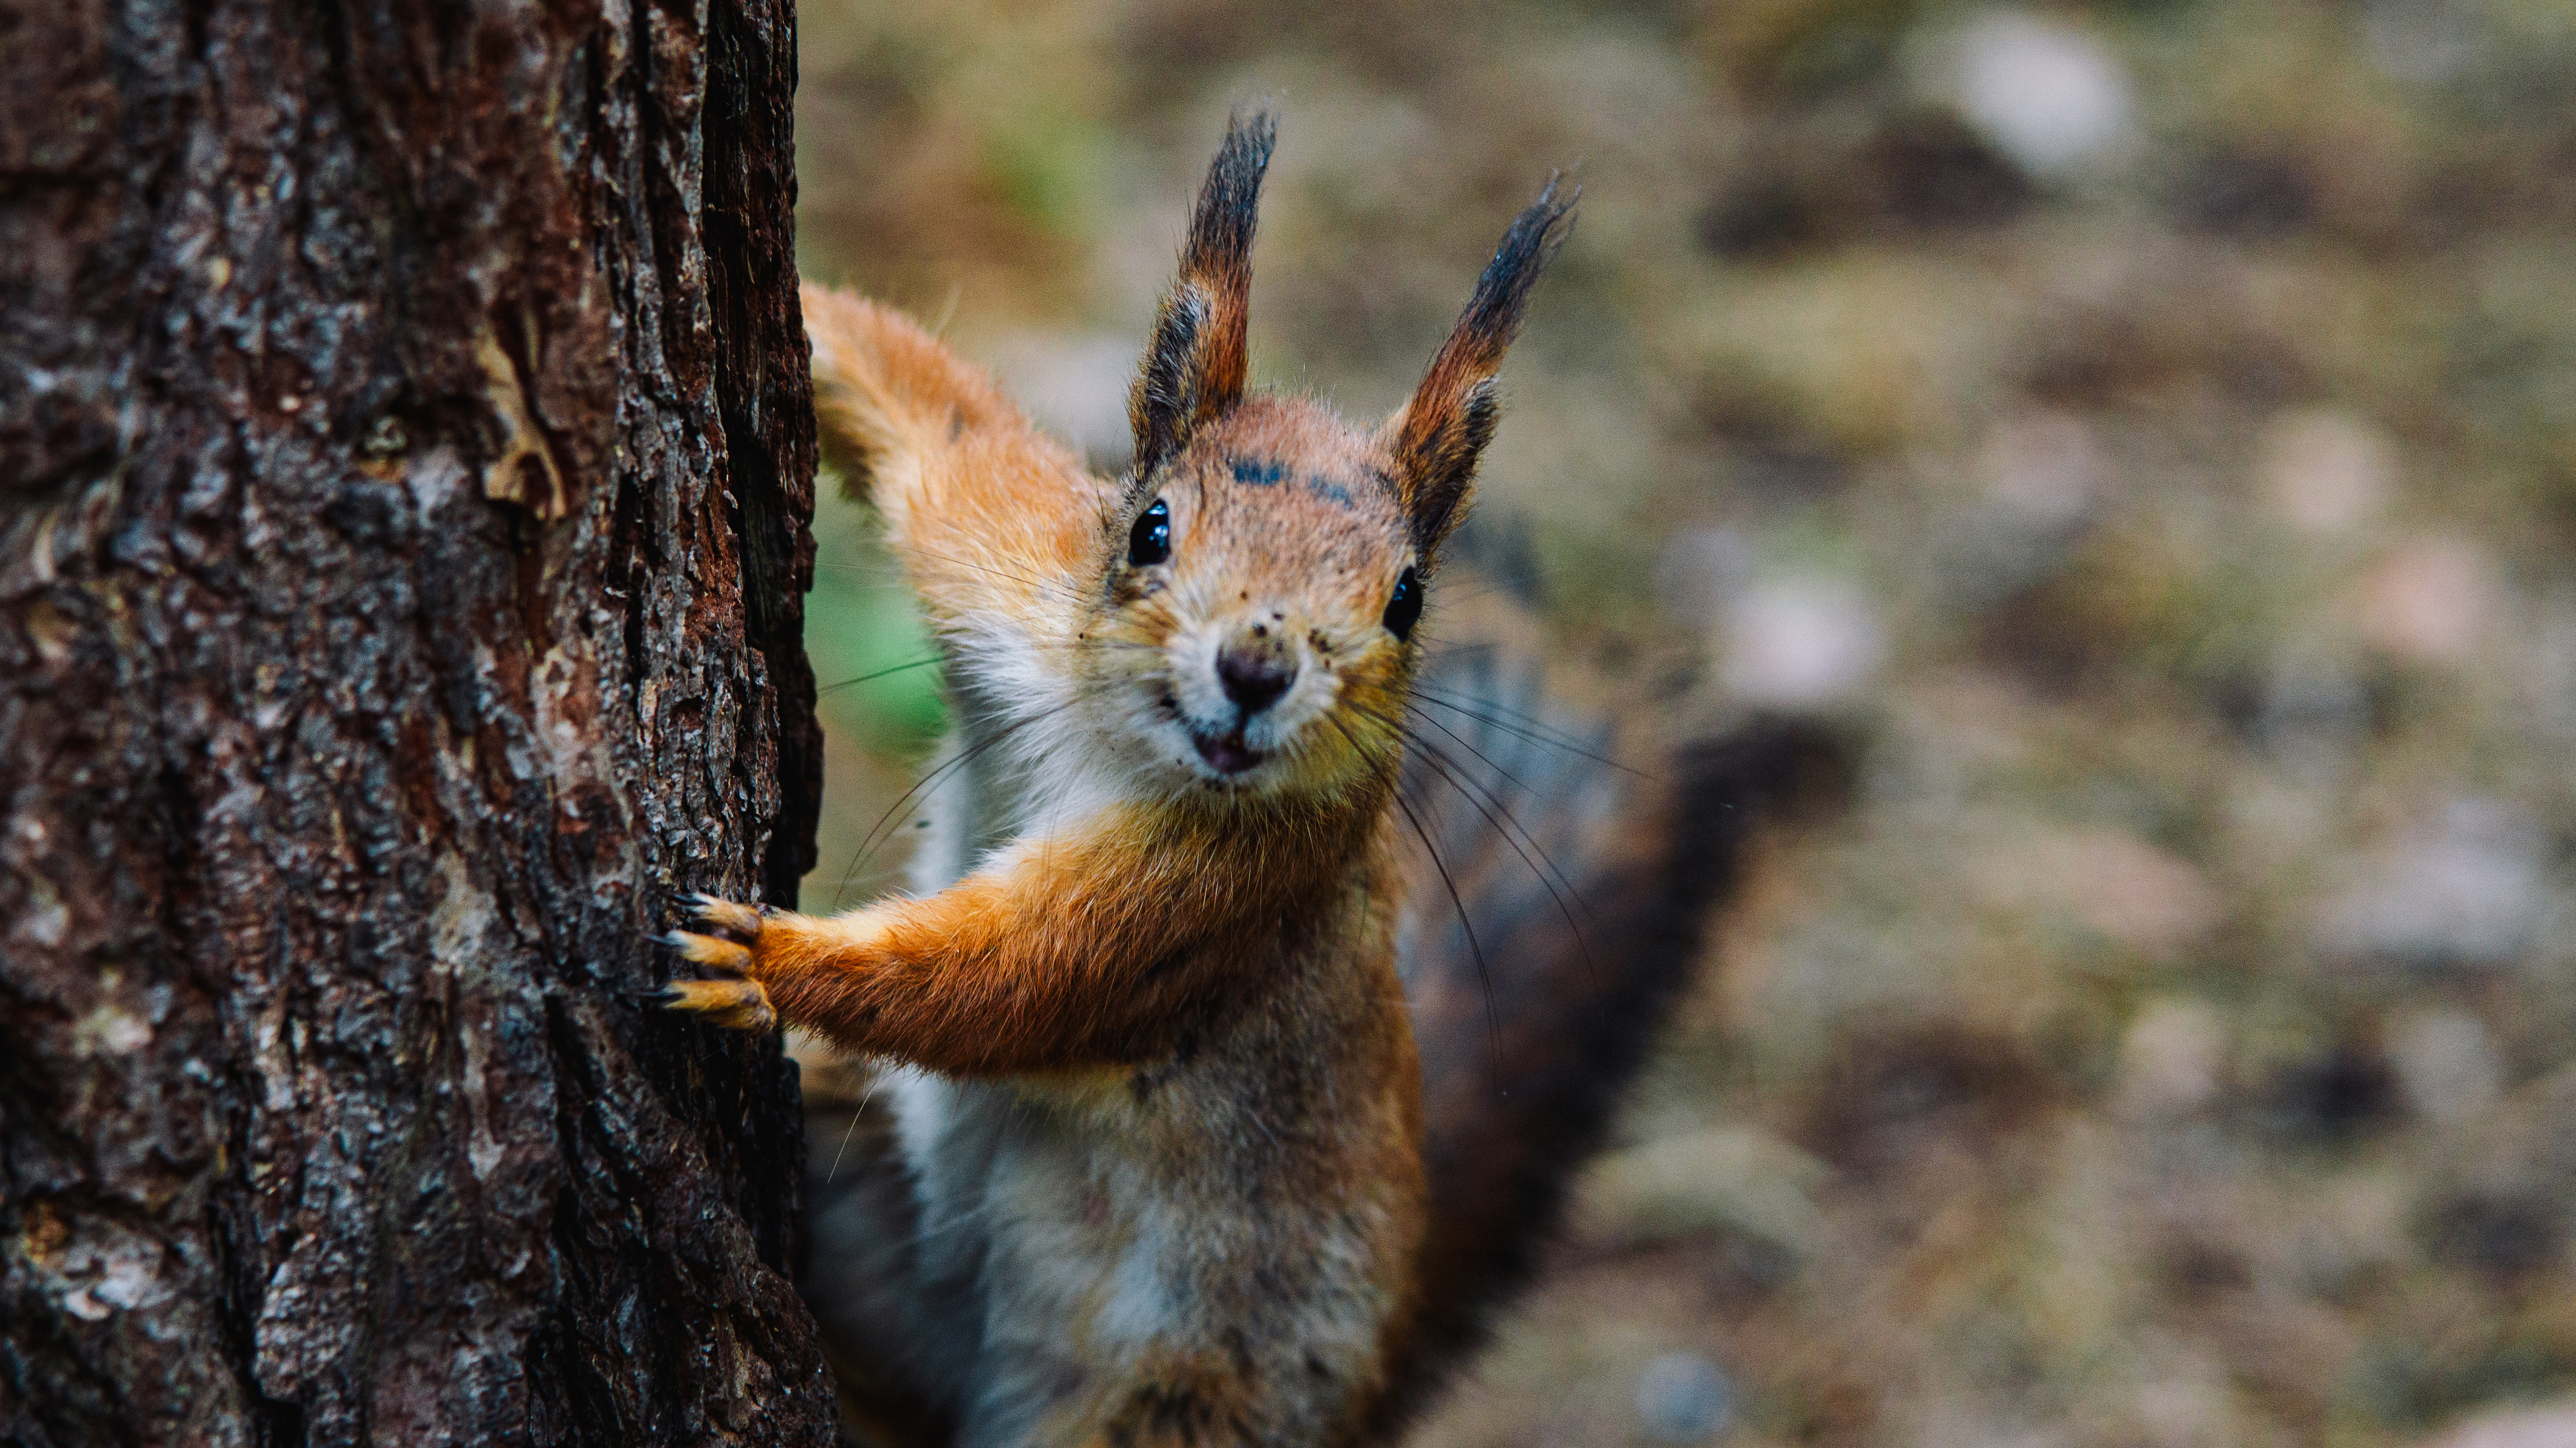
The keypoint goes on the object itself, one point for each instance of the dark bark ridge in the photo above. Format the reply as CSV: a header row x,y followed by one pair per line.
x,y
405,470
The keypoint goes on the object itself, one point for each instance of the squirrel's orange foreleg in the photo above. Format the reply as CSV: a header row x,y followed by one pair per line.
x,y
1076,951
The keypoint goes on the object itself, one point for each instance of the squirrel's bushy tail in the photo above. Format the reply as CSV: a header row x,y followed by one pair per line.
x,y
1527,1052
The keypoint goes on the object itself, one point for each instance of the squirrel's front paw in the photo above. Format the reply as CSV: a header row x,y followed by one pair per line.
x,y
723,943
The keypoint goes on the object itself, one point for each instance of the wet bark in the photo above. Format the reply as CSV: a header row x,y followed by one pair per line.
x,y
405,469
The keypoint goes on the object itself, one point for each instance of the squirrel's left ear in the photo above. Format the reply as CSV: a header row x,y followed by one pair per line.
x,y
1195,364
1442,429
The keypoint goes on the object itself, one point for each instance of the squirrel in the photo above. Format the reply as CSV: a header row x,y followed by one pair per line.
x,y
1188,1125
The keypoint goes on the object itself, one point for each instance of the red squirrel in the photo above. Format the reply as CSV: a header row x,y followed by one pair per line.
x,y
1159,1168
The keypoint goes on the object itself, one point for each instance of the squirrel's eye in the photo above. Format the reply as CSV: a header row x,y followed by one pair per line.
x,y
1405,606
1150,541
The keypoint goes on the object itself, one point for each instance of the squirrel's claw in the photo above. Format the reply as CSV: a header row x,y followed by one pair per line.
x,y
735,1005
726,918
712,952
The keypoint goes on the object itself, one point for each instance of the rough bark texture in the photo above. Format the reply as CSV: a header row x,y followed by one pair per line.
x,y
405,464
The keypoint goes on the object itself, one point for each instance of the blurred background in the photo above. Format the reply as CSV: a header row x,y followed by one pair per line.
x,y
2149,428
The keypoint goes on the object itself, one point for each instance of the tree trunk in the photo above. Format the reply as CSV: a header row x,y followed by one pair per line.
x,y
405,470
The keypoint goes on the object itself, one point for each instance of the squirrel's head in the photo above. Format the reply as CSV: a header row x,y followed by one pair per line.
x,y
1262,570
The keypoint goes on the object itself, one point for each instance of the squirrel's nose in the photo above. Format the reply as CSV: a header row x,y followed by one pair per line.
x,y
1255,670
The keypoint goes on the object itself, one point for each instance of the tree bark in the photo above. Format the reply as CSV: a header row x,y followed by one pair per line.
x,y
406,461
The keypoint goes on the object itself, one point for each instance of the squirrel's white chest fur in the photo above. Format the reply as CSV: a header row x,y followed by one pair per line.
x,y
1051,1256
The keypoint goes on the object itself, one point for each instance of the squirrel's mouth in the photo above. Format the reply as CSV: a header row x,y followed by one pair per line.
x,y
1226,753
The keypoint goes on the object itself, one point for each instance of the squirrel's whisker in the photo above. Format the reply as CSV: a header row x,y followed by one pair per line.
x,y
1533,736
1484,975
1495,795
1552,879
869,842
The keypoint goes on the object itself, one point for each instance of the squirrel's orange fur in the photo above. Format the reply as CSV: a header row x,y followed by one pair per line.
x,y
1161,1102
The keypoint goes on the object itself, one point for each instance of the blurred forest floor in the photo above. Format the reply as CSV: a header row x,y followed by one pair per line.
x,y
2150,426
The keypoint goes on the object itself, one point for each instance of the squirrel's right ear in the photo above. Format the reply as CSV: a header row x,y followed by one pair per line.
x,y
1442,429
1195,365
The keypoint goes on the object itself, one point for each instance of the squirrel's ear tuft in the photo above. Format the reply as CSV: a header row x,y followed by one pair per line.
x,y
1440,432
1195,364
